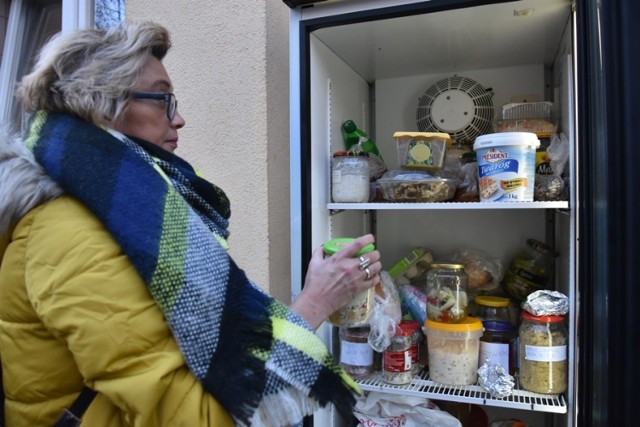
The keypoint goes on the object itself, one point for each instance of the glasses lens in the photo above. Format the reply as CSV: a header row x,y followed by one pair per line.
x,y
172,105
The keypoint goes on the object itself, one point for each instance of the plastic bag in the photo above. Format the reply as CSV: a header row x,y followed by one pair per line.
x,y
414,302
386,315
484,272
552,187
386,410
467,190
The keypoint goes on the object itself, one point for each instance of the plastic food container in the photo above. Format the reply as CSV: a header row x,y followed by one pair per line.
x,y
536,117
506,166
421,150
357,311
417,186
453,350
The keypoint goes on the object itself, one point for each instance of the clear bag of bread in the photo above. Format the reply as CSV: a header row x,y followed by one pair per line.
x,y
485,272
386,315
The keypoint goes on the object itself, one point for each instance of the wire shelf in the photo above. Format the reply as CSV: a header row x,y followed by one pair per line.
x,y
422,386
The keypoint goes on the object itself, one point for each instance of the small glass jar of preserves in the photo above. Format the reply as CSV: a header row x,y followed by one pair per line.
x,y
530,270
396,359
356,355
498,344
491,308
350,177
543,354
447,292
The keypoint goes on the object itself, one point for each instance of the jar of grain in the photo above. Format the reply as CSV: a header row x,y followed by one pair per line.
x,y
350,177
543,354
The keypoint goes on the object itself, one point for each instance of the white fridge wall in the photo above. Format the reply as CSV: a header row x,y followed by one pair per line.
x,y
396,99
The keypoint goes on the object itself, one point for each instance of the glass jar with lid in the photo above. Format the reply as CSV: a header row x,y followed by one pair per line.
x,y
447,292
543,353
498,344
397,360
530,270
489,307
350,177
416,337
356,355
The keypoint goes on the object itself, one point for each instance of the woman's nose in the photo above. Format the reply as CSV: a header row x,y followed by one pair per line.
x,y
178,121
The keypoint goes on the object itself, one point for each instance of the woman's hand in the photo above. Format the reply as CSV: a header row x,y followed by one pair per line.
x,y
334,281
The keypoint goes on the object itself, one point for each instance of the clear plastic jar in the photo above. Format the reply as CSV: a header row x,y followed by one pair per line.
x,y
454,349
356,355
530,270
498,344
350,177
447,293
397,360
543,354
357,311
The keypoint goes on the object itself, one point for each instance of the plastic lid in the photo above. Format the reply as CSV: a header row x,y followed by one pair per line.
x,y
542,319
350,154
410,324
336,245
469,324
404,330
422,134
506,138
491,301
498,326
349,126
447,265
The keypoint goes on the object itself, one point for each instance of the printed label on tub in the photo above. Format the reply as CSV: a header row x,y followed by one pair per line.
x,y
506,173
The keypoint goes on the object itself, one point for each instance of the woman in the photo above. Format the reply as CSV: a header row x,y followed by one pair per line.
x,y
115,273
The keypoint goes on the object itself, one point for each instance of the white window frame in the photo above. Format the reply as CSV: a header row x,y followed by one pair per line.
x,y
75,14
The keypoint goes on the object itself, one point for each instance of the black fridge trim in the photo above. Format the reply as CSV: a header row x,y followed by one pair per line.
x,y
608,212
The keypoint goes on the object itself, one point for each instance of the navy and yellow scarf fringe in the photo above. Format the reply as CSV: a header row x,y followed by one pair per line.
x,y
259,359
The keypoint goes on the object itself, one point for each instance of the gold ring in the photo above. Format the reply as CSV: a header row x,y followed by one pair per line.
x,y
366,270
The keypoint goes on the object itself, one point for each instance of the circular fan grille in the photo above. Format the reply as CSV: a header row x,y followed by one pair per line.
x,y
459,106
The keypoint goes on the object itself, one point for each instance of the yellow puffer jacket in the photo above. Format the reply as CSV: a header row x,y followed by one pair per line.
x,y
74,311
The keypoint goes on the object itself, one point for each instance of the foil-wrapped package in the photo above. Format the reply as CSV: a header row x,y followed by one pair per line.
x,y
546,303
493,378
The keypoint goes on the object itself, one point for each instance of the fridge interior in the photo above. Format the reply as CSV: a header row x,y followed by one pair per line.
x,y
374,70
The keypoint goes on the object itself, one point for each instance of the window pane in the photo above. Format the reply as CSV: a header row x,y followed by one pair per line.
x,y
109,12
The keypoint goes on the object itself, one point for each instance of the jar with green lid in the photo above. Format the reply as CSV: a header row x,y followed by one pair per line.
x,y
530,270
350,177
447,292
487,307
357,311
543,354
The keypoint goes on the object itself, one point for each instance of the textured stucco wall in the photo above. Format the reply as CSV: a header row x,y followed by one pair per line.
x,y
229,66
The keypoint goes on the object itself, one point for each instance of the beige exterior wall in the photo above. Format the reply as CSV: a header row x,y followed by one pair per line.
x,y
229,66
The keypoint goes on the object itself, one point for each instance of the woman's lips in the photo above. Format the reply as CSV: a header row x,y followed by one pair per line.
x,y
172,143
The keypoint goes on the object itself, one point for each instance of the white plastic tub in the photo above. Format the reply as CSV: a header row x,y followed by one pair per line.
x,y
506,166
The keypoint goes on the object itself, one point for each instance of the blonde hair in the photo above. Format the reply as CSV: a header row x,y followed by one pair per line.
x,y
90,73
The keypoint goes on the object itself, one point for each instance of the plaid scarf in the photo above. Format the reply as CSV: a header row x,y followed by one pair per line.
x,y
259,359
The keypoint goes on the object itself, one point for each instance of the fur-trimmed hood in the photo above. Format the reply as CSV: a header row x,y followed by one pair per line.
x,y
23,183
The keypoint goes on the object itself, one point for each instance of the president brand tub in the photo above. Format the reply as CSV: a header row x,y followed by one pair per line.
x,y
506,166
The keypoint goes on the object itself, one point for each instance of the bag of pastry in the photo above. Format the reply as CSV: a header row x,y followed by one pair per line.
x,y
484,272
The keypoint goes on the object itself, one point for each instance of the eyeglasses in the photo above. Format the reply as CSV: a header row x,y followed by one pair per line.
x,y
168,98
